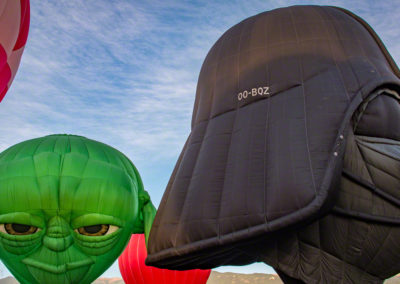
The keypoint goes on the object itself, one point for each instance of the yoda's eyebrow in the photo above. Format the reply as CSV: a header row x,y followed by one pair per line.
x,y
94,195
95,219
22,218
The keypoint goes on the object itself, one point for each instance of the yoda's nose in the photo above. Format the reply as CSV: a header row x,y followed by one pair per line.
x,y
58,235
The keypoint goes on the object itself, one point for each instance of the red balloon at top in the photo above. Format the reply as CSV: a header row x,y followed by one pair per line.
x,y
135,271
14,28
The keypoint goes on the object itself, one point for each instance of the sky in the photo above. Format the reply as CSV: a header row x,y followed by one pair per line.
x,y
124,72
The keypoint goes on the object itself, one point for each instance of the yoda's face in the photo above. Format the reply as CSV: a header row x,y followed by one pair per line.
x,y
63,218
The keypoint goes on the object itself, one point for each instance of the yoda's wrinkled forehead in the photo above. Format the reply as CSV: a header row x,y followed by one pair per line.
x,y
68,174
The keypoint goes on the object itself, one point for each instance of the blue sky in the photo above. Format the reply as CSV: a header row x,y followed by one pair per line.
x,y
124,72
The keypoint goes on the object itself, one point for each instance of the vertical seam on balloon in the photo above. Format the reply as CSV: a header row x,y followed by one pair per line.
x,y
161,217
126,164
299,267
378,41
105,155
196,275
193,278
87,149
379,250
250,126
319,9
362,47
320,250
101,193
122,262
86,164
346,248
61,165
130,252
199,152
137,257
152,269
69,151
126,258
233,127
368,171
276,253
83,146
348,63
268,102
34,166
122,163
304,106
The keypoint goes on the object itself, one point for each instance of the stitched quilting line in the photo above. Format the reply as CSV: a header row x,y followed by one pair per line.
x,y
305,108
382,170
380,249
212,101
369,186
384,141
265,193
221,195
378,41
344,263
367,58
158,218
377,151
369,174
186,192
347,62
319,10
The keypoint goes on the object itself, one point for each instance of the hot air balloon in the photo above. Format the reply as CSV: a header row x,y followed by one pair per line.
x,y
293,156
135,271
14,28
68,207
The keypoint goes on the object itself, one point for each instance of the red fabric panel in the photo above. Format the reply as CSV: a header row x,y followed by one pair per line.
x,y
5,73
135,271
24,26
3,93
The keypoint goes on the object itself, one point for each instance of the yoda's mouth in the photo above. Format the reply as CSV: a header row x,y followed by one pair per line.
x,y
57,269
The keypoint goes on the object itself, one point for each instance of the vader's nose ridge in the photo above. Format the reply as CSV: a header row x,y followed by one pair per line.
x,y
58,235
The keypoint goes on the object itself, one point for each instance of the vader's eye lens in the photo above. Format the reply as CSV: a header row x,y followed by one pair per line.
x,y
95,230
19,229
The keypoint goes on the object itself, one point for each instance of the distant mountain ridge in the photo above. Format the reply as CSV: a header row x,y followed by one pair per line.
x,y
215,278
256,278
8,280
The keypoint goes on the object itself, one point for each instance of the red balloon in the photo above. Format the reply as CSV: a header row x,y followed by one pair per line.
x,y
135,271
14,28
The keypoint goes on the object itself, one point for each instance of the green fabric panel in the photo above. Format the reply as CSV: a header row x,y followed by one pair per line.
x,y
58,186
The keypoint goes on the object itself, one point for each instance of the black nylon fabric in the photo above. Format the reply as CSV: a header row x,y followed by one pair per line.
x,y
258,164
340,249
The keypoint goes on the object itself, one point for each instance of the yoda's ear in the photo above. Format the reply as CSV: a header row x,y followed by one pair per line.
x,y
148,212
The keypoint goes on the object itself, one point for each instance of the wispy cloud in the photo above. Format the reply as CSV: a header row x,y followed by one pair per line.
x,y
125,71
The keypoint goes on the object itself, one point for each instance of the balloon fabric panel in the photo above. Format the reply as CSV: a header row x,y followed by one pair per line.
x,y
135,271
69,206
14,29
277,97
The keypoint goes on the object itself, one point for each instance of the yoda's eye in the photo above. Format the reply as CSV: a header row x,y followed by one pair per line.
x,y
97,230
18,229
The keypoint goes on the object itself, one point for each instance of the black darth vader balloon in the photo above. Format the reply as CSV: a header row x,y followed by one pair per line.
x,y
294,154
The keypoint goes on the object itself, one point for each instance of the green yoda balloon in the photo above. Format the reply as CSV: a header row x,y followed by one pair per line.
x,y
68,206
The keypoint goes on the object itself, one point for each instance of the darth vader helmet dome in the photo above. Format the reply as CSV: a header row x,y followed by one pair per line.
x,y
293,157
